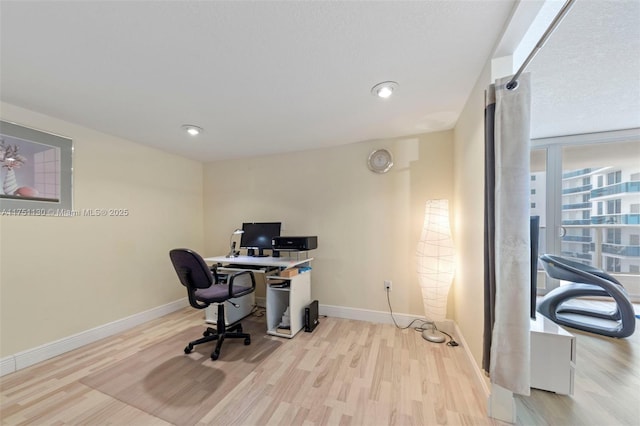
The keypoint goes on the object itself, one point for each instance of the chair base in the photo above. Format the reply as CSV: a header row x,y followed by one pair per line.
x,y
220,334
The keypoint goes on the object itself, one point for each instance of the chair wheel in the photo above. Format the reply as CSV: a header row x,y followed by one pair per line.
x,y
215,355
247,341
188,349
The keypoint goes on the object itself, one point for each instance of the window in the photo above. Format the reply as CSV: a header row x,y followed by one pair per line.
x,y
533,178
612,264
614,206
614,177
533,191
614,236
588,202
533,205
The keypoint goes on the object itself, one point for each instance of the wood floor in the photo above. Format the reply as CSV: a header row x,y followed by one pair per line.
x,y
345,373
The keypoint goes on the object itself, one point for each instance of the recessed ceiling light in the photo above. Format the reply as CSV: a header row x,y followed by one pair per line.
x,y
192,130
384,89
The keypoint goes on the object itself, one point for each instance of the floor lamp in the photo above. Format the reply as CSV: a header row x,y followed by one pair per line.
x,y
436,264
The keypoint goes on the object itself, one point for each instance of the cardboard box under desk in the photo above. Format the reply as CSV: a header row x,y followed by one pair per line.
x,y
288,273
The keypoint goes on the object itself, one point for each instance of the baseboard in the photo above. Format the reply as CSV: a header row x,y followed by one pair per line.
x,y
381,317
49,350
477,370
7,365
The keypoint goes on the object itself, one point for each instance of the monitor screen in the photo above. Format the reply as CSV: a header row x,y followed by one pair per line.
x,y
258,235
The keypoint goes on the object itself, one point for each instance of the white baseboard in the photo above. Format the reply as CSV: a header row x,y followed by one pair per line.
x,y
366,315
381,317
7,365
477,370
49,350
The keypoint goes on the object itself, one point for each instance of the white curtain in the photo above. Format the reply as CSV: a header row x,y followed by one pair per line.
x,y
507,304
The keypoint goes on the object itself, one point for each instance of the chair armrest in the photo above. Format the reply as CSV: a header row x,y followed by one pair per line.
x,y
232,277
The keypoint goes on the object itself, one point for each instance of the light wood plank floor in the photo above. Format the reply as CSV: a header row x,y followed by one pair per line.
x,y
344,373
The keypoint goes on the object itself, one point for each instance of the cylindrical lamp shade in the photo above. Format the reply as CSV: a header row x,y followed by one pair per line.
x,y
436,259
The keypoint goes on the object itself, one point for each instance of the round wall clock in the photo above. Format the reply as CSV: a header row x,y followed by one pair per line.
x,y
380,161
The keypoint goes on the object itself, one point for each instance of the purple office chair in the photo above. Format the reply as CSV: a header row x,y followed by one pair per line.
x,y
204,288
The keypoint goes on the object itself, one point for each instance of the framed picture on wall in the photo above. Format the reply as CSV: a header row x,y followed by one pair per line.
x,y
35,172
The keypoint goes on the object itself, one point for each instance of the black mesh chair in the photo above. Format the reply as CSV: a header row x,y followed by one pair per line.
x,y
204,288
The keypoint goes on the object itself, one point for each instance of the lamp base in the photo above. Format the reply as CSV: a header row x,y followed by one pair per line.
x,y
431,336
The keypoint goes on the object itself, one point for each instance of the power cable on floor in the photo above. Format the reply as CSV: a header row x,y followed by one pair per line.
x,y
423,323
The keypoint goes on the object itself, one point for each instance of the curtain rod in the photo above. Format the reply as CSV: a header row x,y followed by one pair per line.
x,y
565,8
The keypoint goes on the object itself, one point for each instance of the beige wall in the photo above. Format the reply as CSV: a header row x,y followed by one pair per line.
x,y
367,224
63,275
469,218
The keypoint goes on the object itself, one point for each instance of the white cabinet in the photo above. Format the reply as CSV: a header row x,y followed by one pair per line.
x,y
231,313
553,356
282,293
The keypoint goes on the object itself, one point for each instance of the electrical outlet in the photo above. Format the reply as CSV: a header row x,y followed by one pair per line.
x,y
387,285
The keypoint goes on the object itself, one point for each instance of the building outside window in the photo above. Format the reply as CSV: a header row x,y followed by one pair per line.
x,y
597,224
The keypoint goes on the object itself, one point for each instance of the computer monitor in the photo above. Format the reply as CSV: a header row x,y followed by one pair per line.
x,y
258,236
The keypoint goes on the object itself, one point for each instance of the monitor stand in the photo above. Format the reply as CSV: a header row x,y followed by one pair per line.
x,y
256,253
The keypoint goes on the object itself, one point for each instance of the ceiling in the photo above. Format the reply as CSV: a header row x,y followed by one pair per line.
x,y
586,78
264,78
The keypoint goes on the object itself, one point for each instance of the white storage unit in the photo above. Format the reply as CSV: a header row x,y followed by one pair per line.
x,y
296,296
553,356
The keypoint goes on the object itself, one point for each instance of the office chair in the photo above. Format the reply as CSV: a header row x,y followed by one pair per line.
x,y
586,281
204,288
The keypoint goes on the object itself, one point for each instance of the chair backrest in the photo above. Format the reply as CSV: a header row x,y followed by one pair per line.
x,y
563,269
191,269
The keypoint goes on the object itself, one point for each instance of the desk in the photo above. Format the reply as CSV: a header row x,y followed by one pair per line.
x,y
281,292
278,262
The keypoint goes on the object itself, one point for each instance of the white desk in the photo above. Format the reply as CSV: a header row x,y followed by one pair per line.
x,y
278,262
296,295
